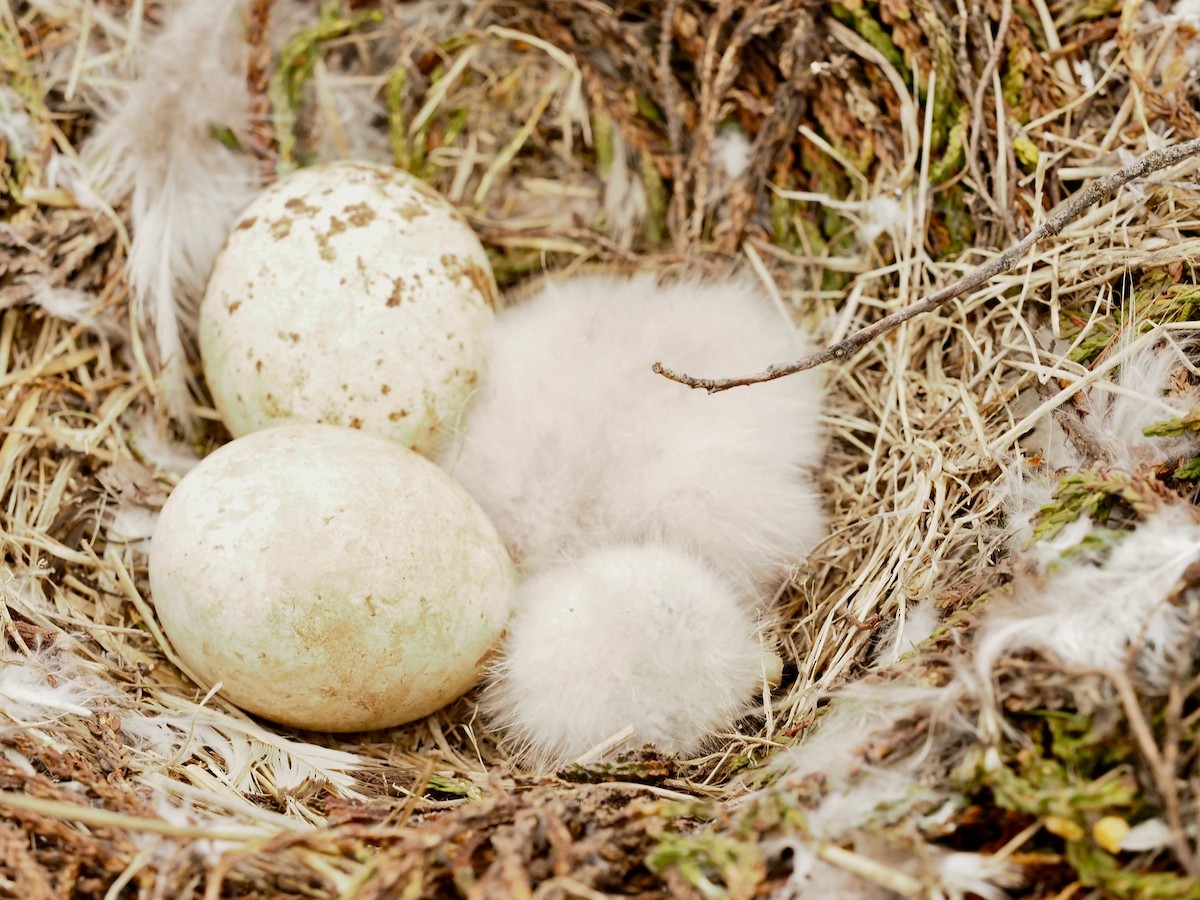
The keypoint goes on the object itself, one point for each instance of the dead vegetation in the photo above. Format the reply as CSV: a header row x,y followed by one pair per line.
x,y
854,156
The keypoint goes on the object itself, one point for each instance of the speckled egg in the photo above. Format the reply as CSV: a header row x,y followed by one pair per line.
x,y
348,294
329,579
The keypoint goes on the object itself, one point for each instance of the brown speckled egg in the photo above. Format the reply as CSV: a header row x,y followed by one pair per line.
x,y
348,294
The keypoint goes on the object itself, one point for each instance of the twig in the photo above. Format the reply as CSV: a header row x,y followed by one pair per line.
x,y
1100,190
1164,778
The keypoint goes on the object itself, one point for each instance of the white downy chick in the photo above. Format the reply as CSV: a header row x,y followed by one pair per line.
x,y
637,638
574,443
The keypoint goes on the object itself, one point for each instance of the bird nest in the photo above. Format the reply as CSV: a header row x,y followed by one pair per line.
x,y
943,727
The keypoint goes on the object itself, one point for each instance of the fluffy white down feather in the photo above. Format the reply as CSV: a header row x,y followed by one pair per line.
x,y
1104,616
574,443
630,636
155,145
47,685
1143,391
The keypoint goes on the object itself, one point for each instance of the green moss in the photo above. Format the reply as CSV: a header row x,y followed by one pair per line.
x,y
947,112
1188,470
455,126
648,109
19,166
1026,152
457,787
604,139
1012,82
394,94
873,32
654,226
1087,493
715,865
1097,340
1092,10
955,154
958,223
297,60
1187,424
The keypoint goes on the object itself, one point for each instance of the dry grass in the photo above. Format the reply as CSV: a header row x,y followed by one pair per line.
x,y
575,134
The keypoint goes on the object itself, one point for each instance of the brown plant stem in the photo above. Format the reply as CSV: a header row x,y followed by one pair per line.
x,y
1101,189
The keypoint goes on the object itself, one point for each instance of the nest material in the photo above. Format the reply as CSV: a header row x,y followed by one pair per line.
x,y
585,133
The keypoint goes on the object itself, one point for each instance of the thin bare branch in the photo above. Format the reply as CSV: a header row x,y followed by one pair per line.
x,y
1099,191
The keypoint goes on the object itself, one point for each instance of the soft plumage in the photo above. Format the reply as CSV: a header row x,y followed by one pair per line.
x,y
640,637
913,625
574,443
155,144
1113,414
1104,615
48,684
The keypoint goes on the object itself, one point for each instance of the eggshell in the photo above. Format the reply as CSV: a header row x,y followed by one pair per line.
x,y
349,294
329,579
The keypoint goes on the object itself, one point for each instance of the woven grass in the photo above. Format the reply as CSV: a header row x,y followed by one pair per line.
x,y
579,134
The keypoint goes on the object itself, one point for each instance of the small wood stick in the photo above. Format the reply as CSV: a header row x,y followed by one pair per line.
x,y
1099,191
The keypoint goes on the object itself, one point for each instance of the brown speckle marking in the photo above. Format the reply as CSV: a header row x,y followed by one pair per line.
x,y
281,228
327,252
336,226
246,223
397,416
397,292
289,336
273,407
360,214
482,282
410,211
356,422
233,307
385,389
258,365
299,206
470,270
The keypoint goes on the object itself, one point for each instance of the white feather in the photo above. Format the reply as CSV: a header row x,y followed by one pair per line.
x,y
16,127
1114,414
1152,834
879,797
239,754
946,875
811,877
636,637
625,203
1117,418
129,523
731,151
1024,491
862,714
1106,615
73,305
963,875
911,628
185,187
573,442
1188,12
47,685
151,444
